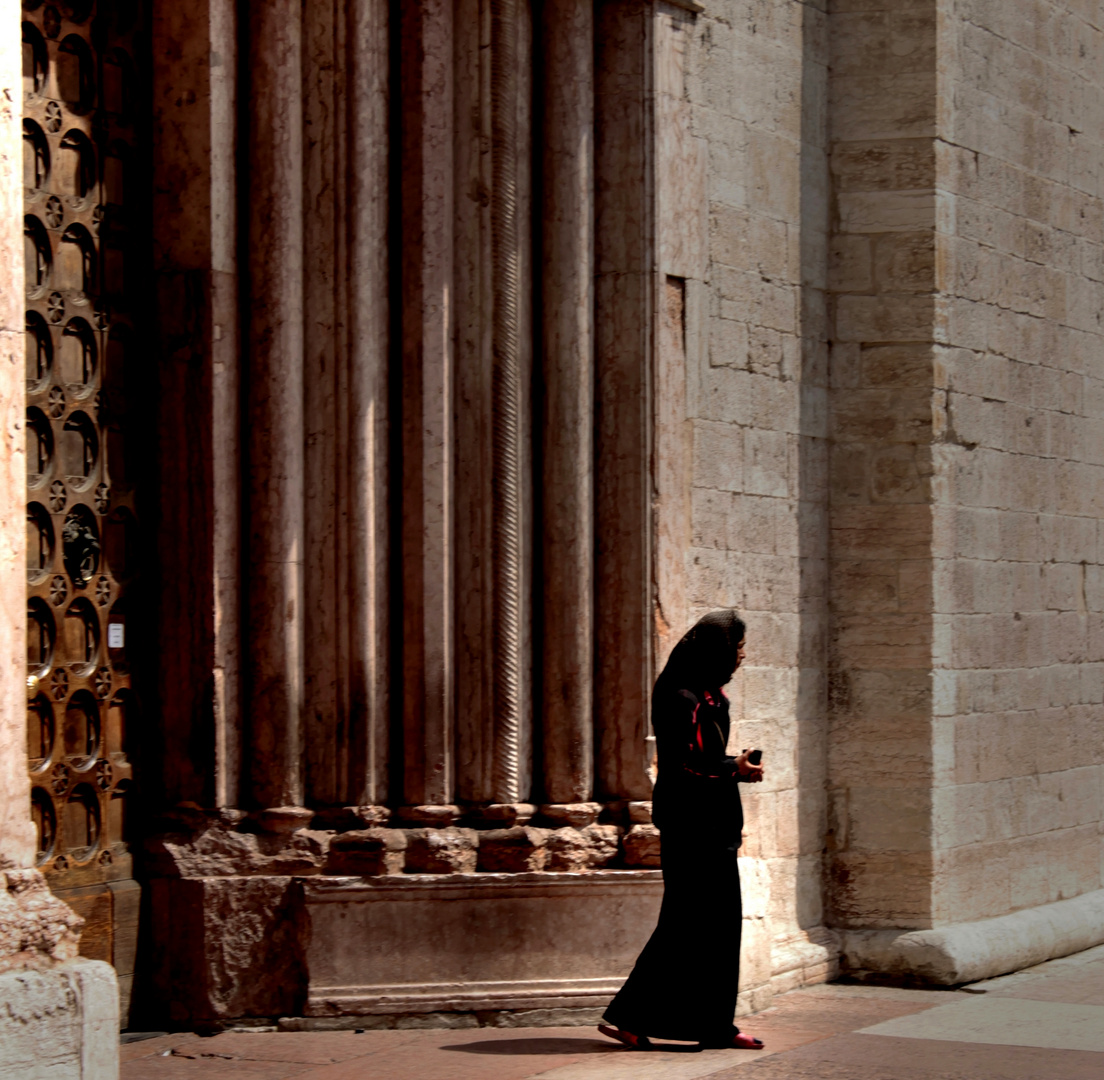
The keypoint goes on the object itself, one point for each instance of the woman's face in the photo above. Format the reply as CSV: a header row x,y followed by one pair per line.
x,y
740,652
725,676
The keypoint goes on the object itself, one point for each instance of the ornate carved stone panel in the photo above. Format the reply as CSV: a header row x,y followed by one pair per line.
x,y
82,134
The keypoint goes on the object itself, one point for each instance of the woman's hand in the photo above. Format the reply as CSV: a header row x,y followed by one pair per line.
x,y
749,773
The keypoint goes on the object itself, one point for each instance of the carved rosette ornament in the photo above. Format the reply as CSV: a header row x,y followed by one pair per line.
x,y
59,778
105,775
59,685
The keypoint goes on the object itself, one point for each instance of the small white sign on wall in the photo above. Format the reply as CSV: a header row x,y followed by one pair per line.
x,y
116,634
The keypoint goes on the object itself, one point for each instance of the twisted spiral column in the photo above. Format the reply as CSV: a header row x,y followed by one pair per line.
x,y
507,402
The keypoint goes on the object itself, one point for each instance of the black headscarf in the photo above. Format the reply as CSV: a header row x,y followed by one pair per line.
x,y
705,658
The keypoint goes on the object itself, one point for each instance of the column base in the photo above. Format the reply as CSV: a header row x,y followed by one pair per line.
x,y
968,952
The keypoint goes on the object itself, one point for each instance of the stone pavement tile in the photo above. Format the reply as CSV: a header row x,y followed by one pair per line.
x,y
304,1047
153,1047
207,1068
1081,986
878,1057
1005,1021
1017,980
1064,963
833,1009
796,1019
630,1065
681,1064
471,1054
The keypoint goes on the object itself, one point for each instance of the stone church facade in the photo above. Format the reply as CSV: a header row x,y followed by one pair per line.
x,y
402,380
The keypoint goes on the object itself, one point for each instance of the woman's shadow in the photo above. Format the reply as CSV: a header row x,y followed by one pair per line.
x,y
537,1046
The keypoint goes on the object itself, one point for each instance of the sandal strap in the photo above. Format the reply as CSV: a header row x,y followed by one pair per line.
x,y
633,1042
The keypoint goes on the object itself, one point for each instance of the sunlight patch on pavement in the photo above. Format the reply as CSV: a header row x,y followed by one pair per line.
x,y
1003,1021
652,1066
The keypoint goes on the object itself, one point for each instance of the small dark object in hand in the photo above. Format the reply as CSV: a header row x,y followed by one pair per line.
x,y
755,757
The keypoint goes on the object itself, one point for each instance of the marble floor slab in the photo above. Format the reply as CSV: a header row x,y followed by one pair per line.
x,y
1004,1021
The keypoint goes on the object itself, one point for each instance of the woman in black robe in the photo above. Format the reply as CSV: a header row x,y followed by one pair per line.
x,y
685,982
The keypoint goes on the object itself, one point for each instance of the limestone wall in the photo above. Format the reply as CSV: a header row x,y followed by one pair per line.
x,y
882,121
1019,459
965,274
756,396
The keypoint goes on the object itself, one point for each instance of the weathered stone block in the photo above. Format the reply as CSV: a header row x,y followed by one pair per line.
x,y
345,818
60,1023
605,846
214,939
575,815
642,846
514,850
367,852
37,930
589,848
284,820
220,850
568,849
441,851
502,815
440,816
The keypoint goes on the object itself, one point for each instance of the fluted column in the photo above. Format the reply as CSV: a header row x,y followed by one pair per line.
x,y
274,411
567,277
368,316
425,243
346,722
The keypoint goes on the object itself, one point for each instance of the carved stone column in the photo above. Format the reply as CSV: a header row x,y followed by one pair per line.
x,y
367,545
567,494
196,263
494,349
274,411
426,243
625,309
511,693
346,722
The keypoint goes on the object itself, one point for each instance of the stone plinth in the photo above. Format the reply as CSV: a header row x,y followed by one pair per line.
x,y
422,943
312,948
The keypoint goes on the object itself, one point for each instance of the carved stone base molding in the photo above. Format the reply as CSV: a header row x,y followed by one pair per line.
x,y
437,840
449,947
503,941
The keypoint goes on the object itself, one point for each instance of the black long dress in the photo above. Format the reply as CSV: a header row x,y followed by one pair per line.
x,y
685,981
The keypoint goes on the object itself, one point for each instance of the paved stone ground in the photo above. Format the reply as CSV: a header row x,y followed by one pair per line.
x,y
1046,1023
